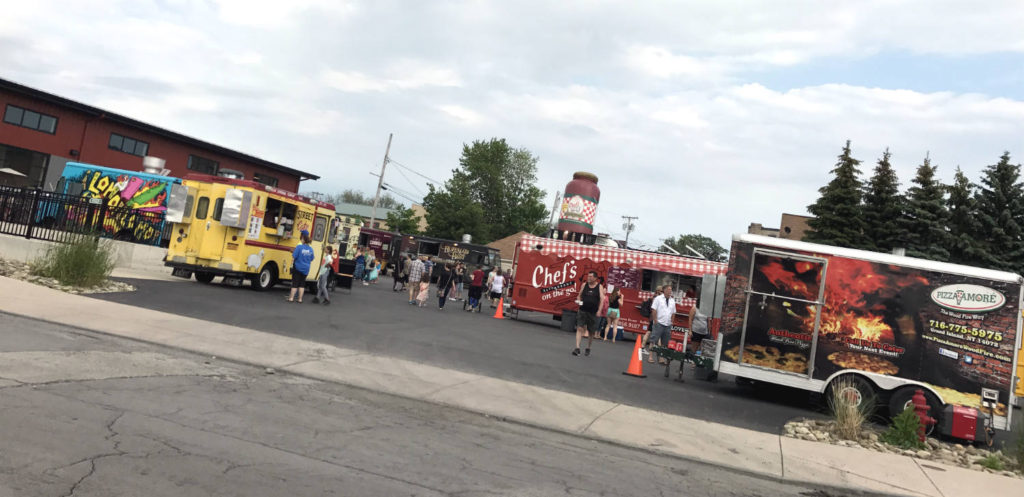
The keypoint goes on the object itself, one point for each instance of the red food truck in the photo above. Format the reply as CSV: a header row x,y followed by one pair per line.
x,y
548,274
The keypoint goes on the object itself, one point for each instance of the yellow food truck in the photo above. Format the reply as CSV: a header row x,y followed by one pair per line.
x,y
243,230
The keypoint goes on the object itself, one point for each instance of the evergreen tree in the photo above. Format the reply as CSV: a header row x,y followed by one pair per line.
x,y
925,216
1000,207
838,216
883,207
962,225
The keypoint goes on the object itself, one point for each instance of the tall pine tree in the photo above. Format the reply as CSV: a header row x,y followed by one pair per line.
x,y
963,226
924,216
883,207
838,216
1001,216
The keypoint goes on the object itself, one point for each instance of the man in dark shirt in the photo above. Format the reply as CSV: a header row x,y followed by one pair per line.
x,y
589,300
476,288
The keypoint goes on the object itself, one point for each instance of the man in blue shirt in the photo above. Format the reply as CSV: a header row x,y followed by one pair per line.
x,y
302,259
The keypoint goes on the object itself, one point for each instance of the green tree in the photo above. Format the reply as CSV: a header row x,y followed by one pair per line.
x,y
883,207
404,221
1000,209
963,225
838,214
494,180
925,216
451,213
700,243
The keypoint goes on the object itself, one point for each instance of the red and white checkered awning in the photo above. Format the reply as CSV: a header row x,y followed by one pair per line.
x,y
668,263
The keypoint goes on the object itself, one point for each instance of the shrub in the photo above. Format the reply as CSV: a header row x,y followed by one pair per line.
x,y
849,411
903,432
83,262
992,461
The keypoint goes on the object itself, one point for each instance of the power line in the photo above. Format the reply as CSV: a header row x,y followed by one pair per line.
x,y
414,185
417,173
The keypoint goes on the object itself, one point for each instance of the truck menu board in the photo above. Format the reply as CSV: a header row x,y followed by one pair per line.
x,y
953,331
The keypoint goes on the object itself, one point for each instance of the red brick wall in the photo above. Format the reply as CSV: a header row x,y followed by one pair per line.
x,y
90,136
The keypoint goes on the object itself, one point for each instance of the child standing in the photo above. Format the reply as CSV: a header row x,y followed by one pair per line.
x,y
325,275
424,293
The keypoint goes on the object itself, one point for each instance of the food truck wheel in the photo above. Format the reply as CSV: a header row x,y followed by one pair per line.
x,y
855,387
266,279
901,399
204,277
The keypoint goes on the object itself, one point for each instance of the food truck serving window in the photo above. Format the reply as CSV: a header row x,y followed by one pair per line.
x,y
279,213
202,207
651,280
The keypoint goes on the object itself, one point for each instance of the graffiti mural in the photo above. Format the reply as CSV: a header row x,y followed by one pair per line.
x,y
136,203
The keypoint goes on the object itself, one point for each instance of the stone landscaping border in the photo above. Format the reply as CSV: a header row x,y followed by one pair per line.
x,y
20,271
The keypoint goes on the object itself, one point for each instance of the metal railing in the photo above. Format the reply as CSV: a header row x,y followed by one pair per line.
x,y
58,217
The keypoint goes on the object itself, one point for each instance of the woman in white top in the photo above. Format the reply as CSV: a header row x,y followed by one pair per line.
x,y
497,286
325,274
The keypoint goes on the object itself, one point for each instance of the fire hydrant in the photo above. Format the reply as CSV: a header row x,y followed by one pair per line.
x,y
921,409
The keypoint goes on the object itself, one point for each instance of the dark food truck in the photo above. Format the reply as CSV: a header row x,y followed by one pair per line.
x,y
802,315
448,251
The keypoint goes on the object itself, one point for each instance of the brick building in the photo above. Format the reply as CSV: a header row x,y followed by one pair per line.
x,y
40,132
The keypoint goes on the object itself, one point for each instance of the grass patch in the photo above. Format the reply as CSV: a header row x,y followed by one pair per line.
x,y
903,431
1016,451
993,462
849,409
84,262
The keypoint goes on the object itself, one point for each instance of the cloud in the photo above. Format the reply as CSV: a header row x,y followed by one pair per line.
x,y
667,103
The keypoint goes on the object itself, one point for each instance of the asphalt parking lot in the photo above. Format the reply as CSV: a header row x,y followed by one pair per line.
x,y
530,350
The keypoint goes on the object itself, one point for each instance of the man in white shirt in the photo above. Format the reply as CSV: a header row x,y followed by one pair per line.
x,y
662,310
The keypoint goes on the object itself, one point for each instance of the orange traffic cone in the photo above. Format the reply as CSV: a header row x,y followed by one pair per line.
x,y
499,314
636,363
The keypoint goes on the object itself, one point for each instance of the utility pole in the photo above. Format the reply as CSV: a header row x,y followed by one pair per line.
x,y
380,181
628,226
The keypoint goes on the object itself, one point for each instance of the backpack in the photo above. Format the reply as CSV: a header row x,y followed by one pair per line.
x,y
645,307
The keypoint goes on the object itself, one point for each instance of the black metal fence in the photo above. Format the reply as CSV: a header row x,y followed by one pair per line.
x,y
57,217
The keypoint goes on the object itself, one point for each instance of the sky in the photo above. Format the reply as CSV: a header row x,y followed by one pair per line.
x,y
698,117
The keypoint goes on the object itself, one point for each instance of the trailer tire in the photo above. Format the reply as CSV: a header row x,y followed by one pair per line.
x,y
901,399
204,277
858,386
266,278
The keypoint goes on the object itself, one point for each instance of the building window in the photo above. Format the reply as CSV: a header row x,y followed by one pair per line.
x,y
266,180
128,145
203,165
30,119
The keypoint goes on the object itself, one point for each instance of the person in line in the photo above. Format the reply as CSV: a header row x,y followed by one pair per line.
x,y
698,327
614,301
424,288
401,274
662,310
445,285
375,272
415,275
497,287
302,258
428,268
645,311
370,261
460,278
490,282
589,300
322,295
476,289
602,310
357,275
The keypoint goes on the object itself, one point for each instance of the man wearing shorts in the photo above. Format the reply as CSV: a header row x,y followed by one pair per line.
x,y
590,298
662,310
